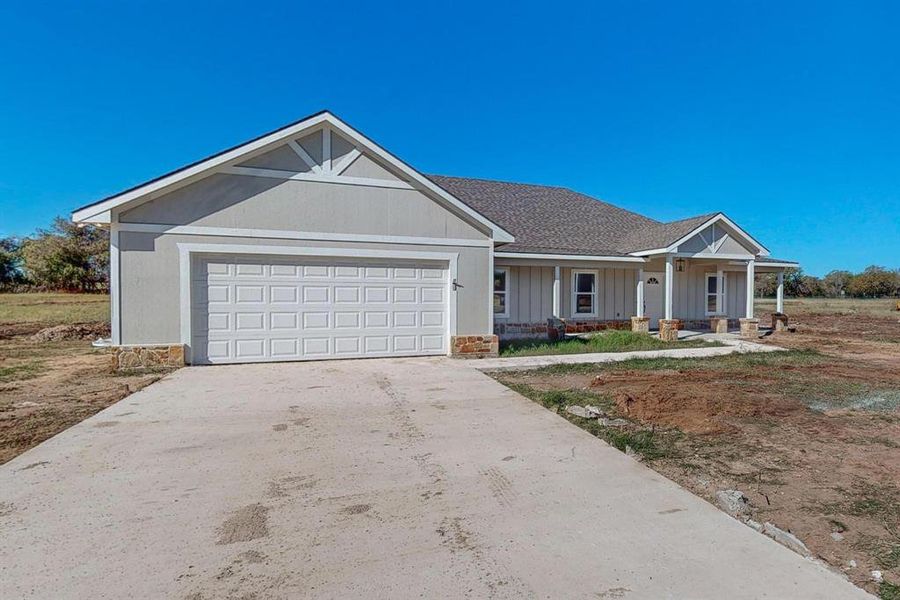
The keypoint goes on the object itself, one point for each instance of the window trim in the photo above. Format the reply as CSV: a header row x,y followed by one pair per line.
x,y
505,292
720,295
595,295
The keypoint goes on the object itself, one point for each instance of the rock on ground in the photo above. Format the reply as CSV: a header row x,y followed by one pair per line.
x,y
77,331
734,502
786,538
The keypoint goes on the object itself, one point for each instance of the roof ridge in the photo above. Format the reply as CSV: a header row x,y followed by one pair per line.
x,y
503,181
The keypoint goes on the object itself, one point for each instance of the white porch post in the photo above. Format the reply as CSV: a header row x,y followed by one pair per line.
x,y
721,309
640,293
779,294
751,278
556,291
670,286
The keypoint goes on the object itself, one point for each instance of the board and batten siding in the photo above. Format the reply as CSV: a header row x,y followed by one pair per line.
x,y
690,293
530,294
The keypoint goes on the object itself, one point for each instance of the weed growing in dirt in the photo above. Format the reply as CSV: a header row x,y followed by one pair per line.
x,y
888,591
650,443
28,370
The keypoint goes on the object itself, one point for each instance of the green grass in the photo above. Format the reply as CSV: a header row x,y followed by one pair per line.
x,y
607,341
729,362
888,591
21,372
53,309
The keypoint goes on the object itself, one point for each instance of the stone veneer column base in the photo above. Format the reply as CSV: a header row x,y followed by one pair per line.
x,y
149,356
779,321
749,328
474,346
668,329
640,324
718,324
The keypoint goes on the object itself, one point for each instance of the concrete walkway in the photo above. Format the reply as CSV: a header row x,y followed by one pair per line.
x,y
416,478
520,363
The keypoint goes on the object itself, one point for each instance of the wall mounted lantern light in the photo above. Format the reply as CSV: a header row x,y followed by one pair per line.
x,y
679,265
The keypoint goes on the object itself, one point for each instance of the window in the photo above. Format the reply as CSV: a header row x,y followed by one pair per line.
x,y
715,294
584,293
501,289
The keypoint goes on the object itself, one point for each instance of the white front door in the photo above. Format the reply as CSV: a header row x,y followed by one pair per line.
x,y
653,297
260,308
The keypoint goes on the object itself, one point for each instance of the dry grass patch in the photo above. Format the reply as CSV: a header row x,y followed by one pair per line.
x,y
48,386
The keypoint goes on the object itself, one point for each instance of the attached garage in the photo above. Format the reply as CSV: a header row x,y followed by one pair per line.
x,y
309,242
254,308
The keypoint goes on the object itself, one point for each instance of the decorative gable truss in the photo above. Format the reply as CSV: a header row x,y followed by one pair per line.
x,y
719,237
319,148
322,156
715,240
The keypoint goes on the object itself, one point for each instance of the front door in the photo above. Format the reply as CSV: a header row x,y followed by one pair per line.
x,y
653,297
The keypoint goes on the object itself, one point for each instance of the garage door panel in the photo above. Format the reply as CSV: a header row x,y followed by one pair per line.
x,y
252,310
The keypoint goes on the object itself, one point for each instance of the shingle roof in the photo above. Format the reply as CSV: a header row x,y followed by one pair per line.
x,y
556,220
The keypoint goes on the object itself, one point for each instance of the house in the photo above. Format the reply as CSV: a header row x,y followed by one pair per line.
x,y
313,242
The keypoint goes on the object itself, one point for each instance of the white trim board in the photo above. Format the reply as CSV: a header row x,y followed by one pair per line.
x,y
578,257
186,253
284,234
324,119
115,282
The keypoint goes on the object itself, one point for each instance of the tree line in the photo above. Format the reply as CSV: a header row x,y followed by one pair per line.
x,y
73,258
64,257
873,282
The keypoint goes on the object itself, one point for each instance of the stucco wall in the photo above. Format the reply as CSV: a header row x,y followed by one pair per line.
x,y
150,281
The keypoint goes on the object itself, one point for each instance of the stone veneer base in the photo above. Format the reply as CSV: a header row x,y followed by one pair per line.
x,y
668,329
749,328
554,326
148,356
640,324
474,346
718,324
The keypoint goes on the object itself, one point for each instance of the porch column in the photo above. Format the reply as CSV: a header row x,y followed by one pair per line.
x,y
640,323
779,294
670,287
556,292
640,293
749,325
751,280
668,327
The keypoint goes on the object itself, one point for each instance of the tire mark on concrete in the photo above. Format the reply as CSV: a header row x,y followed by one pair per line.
x,y
500,486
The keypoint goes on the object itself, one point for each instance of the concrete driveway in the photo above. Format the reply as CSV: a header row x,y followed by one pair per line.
x,y
369,479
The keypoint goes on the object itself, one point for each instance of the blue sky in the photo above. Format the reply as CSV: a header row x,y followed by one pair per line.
x,y
784,116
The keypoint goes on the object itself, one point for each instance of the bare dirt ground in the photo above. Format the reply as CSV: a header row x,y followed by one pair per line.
x,y
811,437
49,381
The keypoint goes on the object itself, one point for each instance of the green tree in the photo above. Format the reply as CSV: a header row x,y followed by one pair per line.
x,y
766,285
836,282
875,282
10,262
67,257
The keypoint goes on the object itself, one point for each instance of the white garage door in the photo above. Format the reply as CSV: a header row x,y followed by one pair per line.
x,y
254,309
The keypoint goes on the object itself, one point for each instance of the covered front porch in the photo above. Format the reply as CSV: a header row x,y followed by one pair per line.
x,y
536,296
